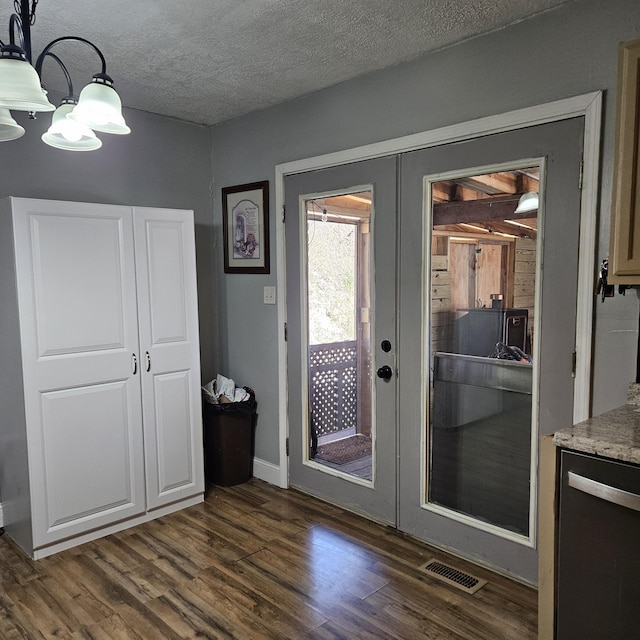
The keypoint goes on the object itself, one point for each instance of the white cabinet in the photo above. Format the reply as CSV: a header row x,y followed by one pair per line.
x,y
169,354
101,417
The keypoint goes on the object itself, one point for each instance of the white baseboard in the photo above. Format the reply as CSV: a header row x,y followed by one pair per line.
x,y
267,471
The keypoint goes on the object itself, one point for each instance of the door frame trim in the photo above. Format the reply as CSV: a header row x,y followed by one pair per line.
x,y
587,105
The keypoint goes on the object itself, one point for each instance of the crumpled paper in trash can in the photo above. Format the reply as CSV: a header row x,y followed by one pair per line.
x,y
223,390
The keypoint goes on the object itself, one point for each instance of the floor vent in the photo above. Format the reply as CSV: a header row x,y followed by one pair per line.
x,y
452,576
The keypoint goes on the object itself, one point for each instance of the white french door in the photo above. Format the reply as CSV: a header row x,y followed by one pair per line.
x,y
332,387
474,423
538,396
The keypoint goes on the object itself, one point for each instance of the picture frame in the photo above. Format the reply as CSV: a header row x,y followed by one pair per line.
x,y
245,225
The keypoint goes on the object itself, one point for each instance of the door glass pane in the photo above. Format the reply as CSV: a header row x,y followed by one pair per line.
x,y
339,333
483,272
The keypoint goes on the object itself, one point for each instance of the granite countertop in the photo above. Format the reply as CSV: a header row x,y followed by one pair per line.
x,y
614,434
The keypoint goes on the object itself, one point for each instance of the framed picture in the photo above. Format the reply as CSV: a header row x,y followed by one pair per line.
x,y
245,224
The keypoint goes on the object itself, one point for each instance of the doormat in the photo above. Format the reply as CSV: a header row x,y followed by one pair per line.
x,y
345,450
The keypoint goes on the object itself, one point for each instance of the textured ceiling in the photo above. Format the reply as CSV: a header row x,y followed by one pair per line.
x,y
207,61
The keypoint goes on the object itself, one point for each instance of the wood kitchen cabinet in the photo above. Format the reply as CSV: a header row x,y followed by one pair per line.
x,y
624,255
100,378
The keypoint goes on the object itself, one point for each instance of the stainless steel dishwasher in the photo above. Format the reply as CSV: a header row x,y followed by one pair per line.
x,y
598,574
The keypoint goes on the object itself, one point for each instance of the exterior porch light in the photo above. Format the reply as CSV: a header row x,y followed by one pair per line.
x,y
528,202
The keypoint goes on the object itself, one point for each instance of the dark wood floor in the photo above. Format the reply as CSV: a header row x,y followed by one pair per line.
x,y
253,562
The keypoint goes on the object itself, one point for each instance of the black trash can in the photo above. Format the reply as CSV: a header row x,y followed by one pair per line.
x,y
229,440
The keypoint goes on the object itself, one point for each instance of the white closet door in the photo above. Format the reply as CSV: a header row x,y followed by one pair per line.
x,y
77,301
170,354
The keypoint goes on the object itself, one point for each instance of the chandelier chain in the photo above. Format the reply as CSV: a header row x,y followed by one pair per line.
x,y
32,12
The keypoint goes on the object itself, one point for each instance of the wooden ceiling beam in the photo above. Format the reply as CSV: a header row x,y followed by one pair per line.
x,y
491,183
486,210
510,233
441,191
343,205
529,183
463,192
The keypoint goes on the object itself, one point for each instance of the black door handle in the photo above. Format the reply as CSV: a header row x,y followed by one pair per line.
x,y
384,372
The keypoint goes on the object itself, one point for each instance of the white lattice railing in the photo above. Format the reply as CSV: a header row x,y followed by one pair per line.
x,y
333,374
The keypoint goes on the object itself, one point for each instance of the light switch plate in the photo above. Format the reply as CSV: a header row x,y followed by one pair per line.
x,y
269,295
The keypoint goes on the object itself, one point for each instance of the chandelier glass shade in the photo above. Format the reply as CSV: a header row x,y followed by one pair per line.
x,y
9,128
20,87
73,124
99,107
70,135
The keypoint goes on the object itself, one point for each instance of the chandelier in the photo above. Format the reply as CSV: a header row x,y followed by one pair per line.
x,y
76,120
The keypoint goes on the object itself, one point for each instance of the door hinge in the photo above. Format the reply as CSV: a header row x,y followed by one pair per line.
x,y
287,446
581,179
286,334
284,213
574,363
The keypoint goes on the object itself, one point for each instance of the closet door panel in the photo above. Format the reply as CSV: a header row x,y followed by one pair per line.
x,y
168,322
77,303
88,466
78,309
173,430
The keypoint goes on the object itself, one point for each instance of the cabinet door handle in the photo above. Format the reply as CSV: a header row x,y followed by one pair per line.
x,y
604,491
134,364
148,361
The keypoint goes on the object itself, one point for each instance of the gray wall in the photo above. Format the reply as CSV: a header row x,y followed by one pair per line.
x,y
163,163
562,53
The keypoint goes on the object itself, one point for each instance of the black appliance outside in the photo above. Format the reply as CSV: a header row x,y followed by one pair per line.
x,y
477,331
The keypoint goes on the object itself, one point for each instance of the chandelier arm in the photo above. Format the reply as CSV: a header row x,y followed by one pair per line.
x,y
15,24
67,75
53,43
